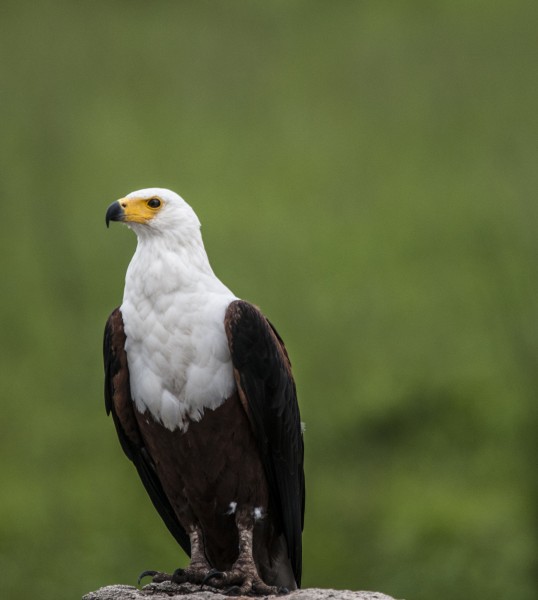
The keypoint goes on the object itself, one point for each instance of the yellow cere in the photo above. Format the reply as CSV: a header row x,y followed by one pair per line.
x,y
139,210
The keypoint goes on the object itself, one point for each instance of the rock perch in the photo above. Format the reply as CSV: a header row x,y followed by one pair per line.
x,y
167,590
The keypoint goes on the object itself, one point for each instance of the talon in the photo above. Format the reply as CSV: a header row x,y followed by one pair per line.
x,y
146,574
235,590
211,574
282,591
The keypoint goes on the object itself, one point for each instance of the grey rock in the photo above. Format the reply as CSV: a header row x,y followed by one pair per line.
x,y
167,590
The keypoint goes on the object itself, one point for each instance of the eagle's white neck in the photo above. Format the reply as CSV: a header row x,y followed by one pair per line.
x,y
173,311
166,263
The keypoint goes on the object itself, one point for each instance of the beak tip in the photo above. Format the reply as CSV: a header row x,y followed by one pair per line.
x,y
114,213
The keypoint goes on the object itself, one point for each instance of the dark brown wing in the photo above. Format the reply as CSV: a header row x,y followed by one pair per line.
x,y
118,402
263,376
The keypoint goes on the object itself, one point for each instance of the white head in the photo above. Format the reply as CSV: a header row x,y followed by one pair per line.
x,y
155,212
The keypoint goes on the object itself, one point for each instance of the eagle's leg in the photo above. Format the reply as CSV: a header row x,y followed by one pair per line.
x,y
199,567
243,577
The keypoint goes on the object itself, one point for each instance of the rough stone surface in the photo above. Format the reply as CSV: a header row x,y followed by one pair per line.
x,y
167,590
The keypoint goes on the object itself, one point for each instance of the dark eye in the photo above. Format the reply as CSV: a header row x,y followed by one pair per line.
x,y
154,203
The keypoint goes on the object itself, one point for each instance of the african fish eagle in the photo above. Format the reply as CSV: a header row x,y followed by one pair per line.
x,y
200,389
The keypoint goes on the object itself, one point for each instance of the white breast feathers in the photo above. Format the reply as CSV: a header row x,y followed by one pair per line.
x,y
173,312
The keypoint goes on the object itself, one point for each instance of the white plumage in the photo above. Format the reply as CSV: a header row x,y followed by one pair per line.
x,y
173,312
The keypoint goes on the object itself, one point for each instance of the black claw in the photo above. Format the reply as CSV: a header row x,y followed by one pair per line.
x,y
235,590
211,574
146,574
282,591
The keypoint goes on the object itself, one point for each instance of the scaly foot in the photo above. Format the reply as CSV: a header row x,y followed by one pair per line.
x,y
191,574
240,581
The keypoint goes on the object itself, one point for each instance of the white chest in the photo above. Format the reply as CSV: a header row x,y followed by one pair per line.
x,y
177,349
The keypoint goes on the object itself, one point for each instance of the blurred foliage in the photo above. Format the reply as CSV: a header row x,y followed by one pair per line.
x,y
366,173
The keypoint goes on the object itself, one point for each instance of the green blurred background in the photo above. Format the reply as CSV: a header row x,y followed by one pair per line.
x,y
366,172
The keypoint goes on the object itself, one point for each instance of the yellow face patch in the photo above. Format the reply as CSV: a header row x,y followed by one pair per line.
x,y
140,210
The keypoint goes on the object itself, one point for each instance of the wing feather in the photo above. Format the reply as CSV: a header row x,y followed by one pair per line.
x,y
263,375
118,402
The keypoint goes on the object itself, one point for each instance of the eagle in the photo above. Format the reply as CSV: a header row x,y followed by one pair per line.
x,y
200,389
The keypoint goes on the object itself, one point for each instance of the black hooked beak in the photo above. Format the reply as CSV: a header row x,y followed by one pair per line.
x,y
115,212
